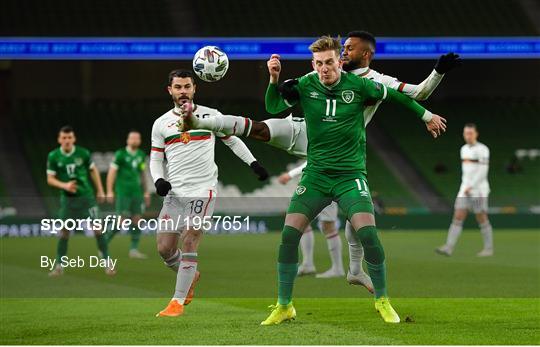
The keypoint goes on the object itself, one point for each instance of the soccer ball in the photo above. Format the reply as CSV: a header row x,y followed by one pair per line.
x,y
210,63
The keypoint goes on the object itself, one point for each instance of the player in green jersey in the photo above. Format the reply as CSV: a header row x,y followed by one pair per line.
x,y
333,103
70,169
126,186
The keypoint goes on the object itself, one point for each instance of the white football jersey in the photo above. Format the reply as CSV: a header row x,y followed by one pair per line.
x,y
474,169
190,155
387,81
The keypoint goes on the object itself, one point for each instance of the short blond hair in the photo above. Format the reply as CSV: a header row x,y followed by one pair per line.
x,y
326,43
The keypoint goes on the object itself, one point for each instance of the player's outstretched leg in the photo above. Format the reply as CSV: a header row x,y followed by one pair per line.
x,y
228,125
356,274
374,254
287,270
306,245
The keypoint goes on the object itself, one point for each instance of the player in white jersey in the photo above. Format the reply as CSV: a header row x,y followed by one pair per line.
x,y
189,184
473,193
290,134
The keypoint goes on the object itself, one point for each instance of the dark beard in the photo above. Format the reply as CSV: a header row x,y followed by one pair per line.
x,y
349,66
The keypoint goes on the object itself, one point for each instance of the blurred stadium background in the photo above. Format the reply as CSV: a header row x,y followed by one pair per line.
x,y
416,178
413,176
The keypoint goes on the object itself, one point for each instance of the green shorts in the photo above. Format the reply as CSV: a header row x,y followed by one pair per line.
x,y
316,190
127,206
80,207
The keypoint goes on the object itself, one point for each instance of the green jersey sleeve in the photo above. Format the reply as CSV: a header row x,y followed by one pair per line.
x,y
117,159
376,91
52,164
405,101
274,102
88,159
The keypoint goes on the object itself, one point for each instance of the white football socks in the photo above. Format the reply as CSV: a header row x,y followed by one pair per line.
x,y
307,242
453,234
356,251
487,235
334,248
228,125
185,275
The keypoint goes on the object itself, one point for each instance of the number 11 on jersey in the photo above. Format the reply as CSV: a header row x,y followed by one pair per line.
x,y
331,107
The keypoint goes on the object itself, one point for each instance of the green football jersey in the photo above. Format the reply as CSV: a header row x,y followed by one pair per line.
x,y
72,166
129,165
335,119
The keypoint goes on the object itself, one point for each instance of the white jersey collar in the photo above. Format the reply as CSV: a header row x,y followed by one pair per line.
x,y
67,154
361,71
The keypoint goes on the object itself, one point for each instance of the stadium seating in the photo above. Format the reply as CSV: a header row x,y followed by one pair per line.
x,y
85,18
385,18
253,18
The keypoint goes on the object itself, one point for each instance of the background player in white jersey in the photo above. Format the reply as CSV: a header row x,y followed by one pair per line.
x,y
328,224
290,134
189,185
473,193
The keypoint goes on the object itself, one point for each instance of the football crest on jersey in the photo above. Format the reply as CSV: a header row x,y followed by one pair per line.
x,y
78,161
347,96
300,190
185,137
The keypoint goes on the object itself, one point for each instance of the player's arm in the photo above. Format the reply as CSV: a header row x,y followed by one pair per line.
x,y
424,90
146,191
157,154
240,149
70,187
378,91
111,177
96,179
278,97
52,167
285,177
274,101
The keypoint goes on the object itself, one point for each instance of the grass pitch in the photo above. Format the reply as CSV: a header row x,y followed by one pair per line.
x,y
456,300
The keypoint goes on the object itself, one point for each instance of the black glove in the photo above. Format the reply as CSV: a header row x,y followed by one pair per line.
x,y
259,170
288,91
448,62
162,187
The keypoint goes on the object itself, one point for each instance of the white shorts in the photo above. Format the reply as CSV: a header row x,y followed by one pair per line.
x,y
178,211
329,214
288,134
477,204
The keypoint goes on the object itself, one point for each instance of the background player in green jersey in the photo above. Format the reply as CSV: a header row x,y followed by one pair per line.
x,y
333,103
126,186
70,169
